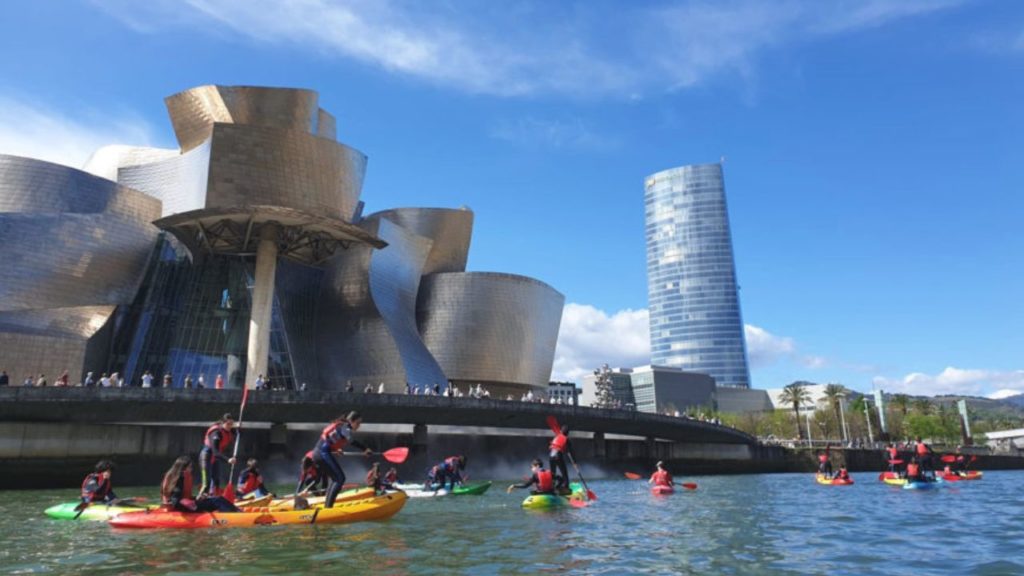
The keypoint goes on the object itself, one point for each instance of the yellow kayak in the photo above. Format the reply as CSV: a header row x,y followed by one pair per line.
x,y
895,481
376,508
283,504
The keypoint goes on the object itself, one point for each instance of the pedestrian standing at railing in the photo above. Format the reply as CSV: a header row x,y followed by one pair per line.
x,y
218,383
147,379
4,379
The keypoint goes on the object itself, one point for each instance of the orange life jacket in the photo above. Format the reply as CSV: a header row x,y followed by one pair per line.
x,y
913,470
559,443
922,449
226,436
545,481
661,478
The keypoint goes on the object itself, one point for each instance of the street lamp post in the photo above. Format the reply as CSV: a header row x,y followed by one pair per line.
x,y
867,416
842,418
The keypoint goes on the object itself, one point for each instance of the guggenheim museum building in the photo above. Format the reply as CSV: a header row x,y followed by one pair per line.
x,y
246,252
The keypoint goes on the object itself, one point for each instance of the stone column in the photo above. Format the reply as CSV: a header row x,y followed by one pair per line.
x,y
262,305
599,447
419,438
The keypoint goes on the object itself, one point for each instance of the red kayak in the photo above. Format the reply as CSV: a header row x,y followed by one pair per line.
x,y
662,490
954,477
823,479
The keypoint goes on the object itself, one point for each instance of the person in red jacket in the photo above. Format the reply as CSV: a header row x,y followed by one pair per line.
x,y
311,478
216,449
824,462
924,455
661,477
250,481
334,437
176,491
543,480
914,471
97,487
559,448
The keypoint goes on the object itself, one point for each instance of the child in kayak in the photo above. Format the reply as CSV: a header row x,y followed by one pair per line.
x,y
391,478
843,474
97,486
176,491
543,480
661,477
334,437
218,439
250,481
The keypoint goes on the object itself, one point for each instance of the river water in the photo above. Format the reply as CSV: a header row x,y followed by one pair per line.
x,y
757,524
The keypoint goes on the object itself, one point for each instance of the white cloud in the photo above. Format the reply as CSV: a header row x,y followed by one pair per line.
x,y
37,132
973,382
1005,393
589,337
532,47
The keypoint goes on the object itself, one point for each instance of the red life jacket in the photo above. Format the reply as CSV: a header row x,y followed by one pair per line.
x,y
843,475
559,443
545,481
102,487
252,482
913,470
391,477
893,453
325,436
371,478
226,436
186,489
922,449
661,478
452,462
822,457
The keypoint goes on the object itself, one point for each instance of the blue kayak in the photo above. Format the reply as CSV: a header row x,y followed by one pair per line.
x,y
918,485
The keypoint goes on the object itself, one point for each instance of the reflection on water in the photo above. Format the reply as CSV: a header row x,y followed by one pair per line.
x,y
762,524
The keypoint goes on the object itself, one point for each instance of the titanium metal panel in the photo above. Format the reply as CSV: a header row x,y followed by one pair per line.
x,y
696,322
491,327
194,111
368,331
74,246
179,182
106,161
253,165
449,229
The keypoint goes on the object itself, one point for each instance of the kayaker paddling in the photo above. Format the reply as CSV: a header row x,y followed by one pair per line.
x,y
559,448
97,486
661,476
448,471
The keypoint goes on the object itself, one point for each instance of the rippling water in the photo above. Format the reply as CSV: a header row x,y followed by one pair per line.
x,y
761,524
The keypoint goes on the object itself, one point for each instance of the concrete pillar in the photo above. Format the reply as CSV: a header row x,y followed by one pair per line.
x,y
651,447
262,305
278,438
419,438
599,447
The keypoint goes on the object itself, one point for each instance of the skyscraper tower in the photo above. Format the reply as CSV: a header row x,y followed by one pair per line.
x,y
694,304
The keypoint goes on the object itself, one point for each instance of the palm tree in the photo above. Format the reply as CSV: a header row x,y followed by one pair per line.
x,y
796,394
900,401
923,406
835,394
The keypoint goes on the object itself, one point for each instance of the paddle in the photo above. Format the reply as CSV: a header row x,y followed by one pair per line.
x,y
394,455
80,508
229,491
949,458
687,485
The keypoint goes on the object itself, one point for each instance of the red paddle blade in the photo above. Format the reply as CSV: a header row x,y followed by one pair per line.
x,y
689,485
396,455
577,503
949,458
591,495
896,461
881,476
553,424
633,475
229,493
973,458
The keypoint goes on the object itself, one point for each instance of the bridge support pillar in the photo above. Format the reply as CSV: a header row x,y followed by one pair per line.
x,y
651,448
600,450
278,439
419,438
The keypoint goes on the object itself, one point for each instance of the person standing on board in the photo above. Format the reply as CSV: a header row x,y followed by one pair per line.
x,y
892,455
216,443
824,462
924,455
97,486
559,448
661,477
543,480
334,438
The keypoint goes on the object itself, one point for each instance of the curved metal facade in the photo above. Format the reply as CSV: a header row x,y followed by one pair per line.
x,y
74,246
490,327
449,230
696,323
367,328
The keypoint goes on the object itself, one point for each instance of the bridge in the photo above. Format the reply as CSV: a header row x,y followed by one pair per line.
x,y
172,405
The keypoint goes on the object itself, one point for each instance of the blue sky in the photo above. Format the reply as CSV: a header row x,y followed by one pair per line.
x,y
873,149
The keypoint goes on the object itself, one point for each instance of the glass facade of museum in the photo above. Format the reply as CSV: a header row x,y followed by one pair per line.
x,y
695,318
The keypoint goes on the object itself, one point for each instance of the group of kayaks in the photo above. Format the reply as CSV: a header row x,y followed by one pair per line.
x,y
895,479
354,505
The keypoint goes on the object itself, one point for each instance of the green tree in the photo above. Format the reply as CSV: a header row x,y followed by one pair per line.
x,y
835,393
796,395
923,406
900,402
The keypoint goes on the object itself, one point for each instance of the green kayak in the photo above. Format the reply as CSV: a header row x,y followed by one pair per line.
x,y
550,501
103,512
473,488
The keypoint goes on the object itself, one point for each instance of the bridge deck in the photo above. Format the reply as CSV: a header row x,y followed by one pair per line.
x,y
111,405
